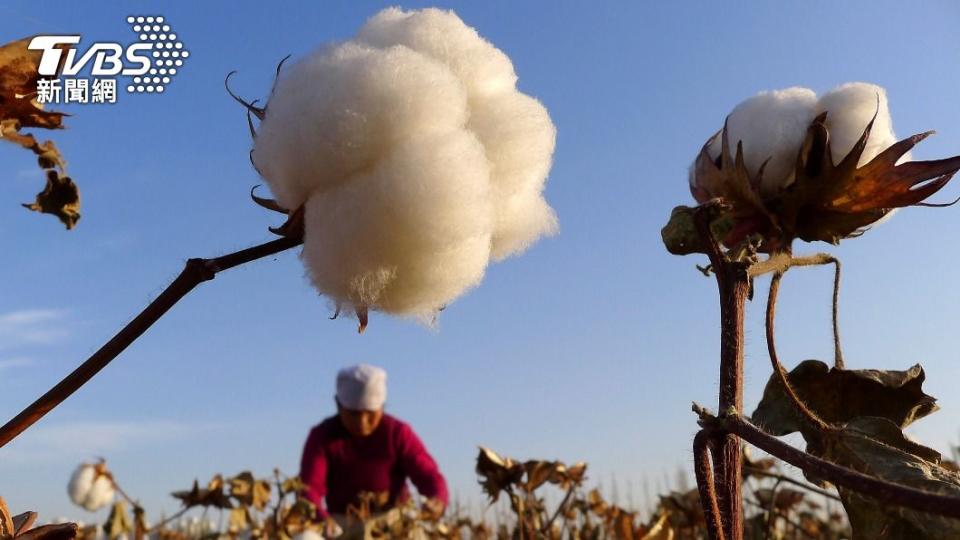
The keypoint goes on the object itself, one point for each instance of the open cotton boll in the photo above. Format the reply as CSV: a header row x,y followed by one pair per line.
x,y
442,35
89,489
408,236
770,125
337,111
415,158
849,108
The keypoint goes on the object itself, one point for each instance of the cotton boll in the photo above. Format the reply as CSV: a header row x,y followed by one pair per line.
x,y
442,35
410,235
849,108
771,125
415,158
339,110
80,483
518,137
89,489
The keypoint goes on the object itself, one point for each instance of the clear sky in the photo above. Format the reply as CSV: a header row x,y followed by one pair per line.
x,y
590,346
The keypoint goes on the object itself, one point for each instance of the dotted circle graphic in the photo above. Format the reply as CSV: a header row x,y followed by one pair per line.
x,y
167,51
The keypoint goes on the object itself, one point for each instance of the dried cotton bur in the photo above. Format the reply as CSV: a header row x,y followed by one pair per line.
x,y
412,159
790,165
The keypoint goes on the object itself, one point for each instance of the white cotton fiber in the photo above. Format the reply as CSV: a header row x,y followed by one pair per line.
x,y
771,125
337,112
415,157
774,124
849,108
409,246
441,35
80,483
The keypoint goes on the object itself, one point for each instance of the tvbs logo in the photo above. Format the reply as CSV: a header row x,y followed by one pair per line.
x,y
109,59
151,61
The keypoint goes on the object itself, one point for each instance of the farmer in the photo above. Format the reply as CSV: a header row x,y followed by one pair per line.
x,y
362,449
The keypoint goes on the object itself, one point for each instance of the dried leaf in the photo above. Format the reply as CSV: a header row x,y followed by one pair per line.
x,y
118,523
840,395
7,529
18,110
212,496
60,197
239,519
55,531
23,522
878,447
497,473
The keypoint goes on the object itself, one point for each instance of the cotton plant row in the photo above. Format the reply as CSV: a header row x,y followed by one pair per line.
x,y
250,508
406,159
789,165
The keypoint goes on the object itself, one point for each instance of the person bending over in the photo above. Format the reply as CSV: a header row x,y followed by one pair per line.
x,y
362,449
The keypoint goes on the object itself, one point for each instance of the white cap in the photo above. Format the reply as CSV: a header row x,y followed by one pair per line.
x,y
362,387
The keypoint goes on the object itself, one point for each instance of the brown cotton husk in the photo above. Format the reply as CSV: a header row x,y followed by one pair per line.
x,y
825,201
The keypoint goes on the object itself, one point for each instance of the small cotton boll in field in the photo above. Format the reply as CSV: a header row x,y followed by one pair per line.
x,y
404,237
89,489
849,108
442,35
771,125
339,110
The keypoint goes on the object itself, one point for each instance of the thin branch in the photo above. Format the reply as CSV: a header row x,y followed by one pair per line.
x,y
772,511
708,494
881,490
546,528
778,368
781,262
787,479
195,272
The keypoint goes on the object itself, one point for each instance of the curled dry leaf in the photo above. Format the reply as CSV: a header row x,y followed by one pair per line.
x,y
497,473
249,491
213,495
840,395
19,110
118,522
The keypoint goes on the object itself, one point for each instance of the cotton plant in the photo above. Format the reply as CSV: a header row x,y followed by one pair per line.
x,y
790,165
91,486
413,160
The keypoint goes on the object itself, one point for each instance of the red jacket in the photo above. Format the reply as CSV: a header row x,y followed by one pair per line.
x,y
339,466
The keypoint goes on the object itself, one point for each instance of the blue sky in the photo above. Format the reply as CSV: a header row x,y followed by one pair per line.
x,y
590,346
